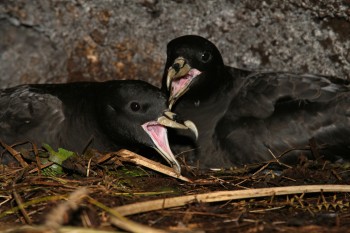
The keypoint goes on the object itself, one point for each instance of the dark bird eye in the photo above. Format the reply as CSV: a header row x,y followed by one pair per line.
x,y
206,56
135,106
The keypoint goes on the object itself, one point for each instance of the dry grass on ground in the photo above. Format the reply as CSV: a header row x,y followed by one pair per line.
x,y
111,193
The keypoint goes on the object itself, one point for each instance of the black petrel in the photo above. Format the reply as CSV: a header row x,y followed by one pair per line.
x,y
244,116
116,114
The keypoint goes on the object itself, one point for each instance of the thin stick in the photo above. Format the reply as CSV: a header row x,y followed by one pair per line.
x,y
128,156
39,167
37,159
122,222
14,153
21,208
146,206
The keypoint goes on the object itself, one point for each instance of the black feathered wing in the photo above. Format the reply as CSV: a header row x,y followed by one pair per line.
x,y
26,115
275,112
261,93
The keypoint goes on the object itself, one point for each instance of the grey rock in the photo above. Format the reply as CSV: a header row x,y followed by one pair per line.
x,y
62,41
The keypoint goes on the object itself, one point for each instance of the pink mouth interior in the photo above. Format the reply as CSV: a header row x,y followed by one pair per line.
x,y
159,136
179,84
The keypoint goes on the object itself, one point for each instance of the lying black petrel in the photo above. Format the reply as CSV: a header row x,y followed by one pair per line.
x,y
245,117
117,114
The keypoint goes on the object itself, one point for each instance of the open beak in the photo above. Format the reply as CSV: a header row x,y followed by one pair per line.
x,y
158,133
180,75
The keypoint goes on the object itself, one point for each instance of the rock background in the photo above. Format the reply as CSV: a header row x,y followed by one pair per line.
x,y
44,41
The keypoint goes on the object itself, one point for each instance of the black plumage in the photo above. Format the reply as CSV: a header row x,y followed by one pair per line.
x,y
245,117
115,114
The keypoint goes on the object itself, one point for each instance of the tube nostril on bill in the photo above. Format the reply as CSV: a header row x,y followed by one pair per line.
x,y
176,67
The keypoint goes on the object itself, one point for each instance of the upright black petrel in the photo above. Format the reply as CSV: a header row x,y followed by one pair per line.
x,y
246,117
117,114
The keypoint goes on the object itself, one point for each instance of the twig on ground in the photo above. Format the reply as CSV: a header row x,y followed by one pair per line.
x,y
37,159
146,206
277,160
56,217
128,156
42,166
21,207
14,153
122,222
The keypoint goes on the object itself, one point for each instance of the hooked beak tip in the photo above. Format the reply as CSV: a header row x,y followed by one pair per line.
x,y
191,126
169,120
176,167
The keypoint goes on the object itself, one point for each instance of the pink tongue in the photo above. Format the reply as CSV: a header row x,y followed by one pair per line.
x,y
158,134
178,84
181,83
